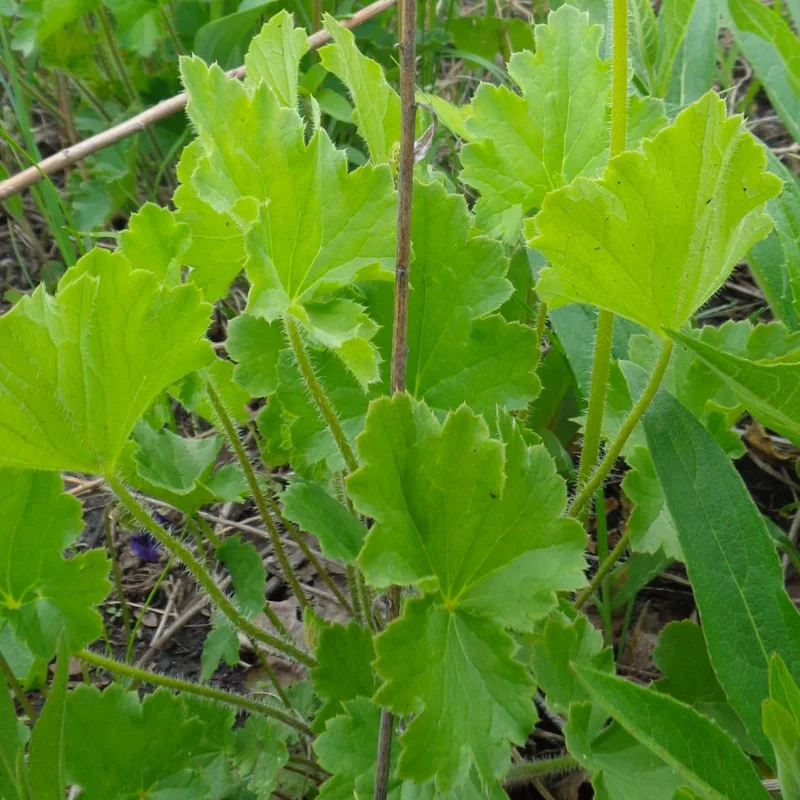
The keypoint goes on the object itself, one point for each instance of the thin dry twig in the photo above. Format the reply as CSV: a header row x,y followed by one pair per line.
x,y
142,122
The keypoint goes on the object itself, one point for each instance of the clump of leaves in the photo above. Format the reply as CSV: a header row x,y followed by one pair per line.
x,y
444,500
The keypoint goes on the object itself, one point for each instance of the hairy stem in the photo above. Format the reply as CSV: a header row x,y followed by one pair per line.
x,y
405,191
605,319
603,569
108,532
525,771
236,445
220,696
183,554
610,458
324,406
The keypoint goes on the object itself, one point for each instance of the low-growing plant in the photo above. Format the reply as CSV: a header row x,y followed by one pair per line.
x,y
389,345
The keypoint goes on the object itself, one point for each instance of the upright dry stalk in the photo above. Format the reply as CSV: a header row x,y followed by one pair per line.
x,y
405,183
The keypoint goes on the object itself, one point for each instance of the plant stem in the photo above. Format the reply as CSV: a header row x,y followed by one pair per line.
x,y
181,552
238,448
603,569
228,698
207,531
625,431
541,321
324,406
147,602
112,554
524,771
296,537
19,692
605,319
604,606
405,191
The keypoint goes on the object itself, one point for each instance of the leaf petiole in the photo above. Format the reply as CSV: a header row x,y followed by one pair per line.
x,y
610,458
181,552
227,698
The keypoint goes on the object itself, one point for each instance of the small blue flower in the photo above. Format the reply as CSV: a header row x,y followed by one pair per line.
x,y
144,547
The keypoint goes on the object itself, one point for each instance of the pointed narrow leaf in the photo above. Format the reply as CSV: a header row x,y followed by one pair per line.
x,y
781,714
661,231
46,756
769,389
731,560
79,369
682,657
703,753
11,743
775,261
377,105
695,67
41,592
621,767
773,49
274,57
673,22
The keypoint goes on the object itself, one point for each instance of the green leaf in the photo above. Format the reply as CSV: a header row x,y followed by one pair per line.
x,y
216,250
644,38
347,219
340,532
222,643
192,392
775,261
521,147
11,744
682,657
41,592
673,23
781,717
650,242
558,642
259,752
139,26
221,39
174,462
248,574
255,344
76,372
477,526
156,242
459,350
622,768
46,757
698,748
695,68
774,51
769,389
730,558
274,57
377,105
117,747
650,524
344,663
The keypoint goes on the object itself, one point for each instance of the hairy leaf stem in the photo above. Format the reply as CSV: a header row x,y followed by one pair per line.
x,y
181,552
324,406
605,320
220,696
603,569
525,771
610,458
235,443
